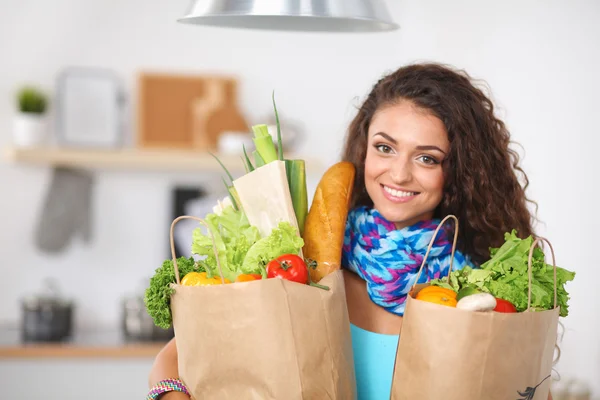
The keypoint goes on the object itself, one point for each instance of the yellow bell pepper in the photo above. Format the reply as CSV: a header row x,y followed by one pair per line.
x,y
201,279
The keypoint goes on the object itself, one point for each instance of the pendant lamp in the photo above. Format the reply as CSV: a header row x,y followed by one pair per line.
x,y
292,15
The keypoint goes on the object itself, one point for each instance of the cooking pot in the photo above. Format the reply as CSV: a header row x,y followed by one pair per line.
x,y
46,316
138,325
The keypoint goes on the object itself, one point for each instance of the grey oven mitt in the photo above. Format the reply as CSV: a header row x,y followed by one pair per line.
x,y
66,210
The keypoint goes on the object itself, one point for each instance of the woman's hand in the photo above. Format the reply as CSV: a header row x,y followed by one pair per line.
x,y
165,367
165,364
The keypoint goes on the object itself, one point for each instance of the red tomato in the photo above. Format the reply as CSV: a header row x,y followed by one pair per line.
x,y
290,267
504,306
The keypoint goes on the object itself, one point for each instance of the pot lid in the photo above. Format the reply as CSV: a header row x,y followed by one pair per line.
x,y
50,294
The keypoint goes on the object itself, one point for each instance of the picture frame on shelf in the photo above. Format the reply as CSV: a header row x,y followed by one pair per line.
x,y
90,108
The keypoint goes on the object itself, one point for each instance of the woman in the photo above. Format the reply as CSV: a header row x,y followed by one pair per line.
x,y
425,144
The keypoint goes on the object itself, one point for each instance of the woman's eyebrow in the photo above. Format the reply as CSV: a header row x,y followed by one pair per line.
x,y
386,137
430,148
394,141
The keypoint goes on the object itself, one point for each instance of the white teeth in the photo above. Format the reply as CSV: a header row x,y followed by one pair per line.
x,y
398,193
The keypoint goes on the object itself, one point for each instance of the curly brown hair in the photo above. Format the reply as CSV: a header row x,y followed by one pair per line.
x,y
482,188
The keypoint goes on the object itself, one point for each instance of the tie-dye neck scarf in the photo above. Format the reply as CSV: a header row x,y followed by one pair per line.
x,y
388,259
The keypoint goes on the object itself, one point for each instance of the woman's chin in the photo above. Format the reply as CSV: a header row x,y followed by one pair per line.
x,y
402,219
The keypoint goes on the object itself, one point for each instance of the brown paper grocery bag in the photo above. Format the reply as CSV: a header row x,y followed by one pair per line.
x,y
267,339
453,354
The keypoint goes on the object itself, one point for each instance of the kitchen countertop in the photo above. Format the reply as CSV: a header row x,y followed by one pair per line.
x,y
98,343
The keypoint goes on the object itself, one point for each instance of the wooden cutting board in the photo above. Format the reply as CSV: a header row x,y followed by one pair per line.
x,y
186,111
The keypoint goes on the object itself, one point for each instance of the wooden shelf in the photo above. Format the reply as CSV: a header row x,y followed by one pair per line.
x,y
47,350
97,343
132,159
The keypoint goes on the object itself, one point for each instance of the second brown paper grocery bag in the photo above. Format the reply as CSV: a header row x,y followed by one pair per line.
x,y
455,354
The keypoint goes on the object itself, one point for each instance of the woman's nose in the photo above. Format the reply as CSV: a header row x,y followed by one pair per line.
x,y
400,172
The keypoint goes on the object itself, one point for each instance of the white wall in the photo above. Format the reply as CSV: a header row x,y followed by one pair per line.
x,y
541,59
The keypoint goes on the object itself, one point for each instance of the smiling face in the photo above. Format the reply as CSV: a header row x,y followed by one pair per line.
x,y
403,164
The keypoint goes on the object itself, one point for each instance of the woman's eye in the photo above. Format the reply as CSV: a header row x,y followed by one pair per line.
x,y
429,160
383,148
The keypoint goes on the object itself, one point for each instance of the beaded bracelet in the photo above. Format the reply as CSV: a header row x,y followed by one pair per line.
x,y
166,385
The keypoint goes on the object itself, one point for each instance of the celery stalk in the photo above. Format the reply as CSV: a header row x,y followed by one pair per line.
x,y
296,176
264,143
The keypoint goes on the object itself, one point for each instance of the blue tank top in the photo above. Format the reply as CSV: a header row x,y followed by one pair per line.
x,y
374,358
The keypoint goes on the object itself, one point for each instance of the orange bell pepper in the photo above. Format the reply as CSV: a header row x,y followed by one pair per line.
x,y
437,289
438,295
201,279
248,277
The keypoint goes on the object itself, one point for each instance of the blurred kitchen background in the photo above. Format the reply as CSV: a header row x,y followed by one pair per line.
x,y
134,101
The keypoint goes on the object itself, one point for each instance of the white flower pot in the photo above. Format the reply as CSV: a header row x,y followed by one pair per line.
x,y
29,129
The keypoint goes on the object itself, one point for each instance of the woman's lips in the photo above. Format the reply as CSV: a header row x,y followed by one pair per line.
x,y
398,196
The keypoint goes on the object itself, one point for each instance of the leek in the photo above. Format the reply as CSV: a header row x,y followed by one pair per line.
x,y
231,191
228,186
223,166
279,145
248,164
264,143
258,160
296,177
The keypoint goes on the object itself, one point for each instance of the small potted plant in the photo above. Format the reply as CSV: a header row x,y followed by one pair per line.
x,y
30,123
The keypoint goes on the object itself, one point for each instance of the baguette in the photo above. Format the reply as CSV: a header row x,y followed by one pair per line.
x,y
326,220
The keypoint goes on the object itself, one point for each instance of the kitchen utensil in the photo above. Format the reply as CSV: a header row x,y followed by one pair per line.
x,y
187,112
46,316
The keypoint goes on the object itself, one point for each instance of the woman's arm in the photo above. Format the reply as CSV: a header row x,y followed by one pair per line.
x,y
165,367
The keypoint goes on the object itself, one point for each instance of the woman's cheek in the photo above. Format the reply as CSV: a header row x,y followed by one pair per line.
x,y
434,182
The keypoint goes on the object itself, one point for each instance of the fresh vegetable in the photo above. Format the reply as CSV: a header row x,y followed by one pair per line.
x,y
296,175
242,254
248,277
326,221
477,302
292,268
279,141
435,295
201,279
221,205
505,276
288,266
233,235
248,164
504,306
258,160
263,141
437,290
466,291
283,240
157,296
229,186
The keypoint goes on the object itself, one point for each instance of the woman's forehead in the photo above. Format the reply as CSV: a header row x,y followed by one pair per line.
x,y
405,122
